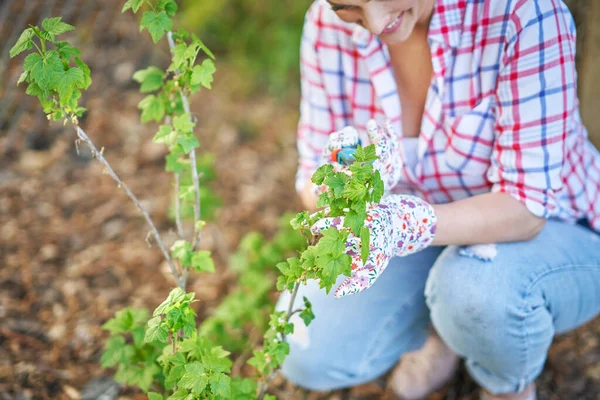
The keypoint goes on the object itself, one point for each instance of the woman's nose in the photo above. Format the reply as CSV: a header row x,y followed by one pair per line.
x,y
376,19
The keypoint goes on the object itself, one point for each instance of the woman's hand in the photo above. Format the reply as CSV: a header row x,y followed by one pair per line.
x,y
400,225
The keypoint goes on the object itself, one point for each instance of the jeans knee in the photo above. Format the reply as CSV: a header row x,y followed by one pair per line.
x,y
465,305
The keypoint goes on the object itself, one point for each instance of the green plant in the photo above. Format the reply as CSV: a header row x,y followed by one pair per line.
x,y
167,355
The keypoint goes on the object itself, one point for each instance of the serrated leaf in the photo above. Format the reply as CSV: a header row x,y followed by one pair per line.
x,y
354,221
321,173
354,190
194,378
132,4
202,261
188,142
378,188
331,242
113,351
365,239
332,268
23,43
154,396
366,154
156,23
203,74
66,51
171,8
202,46
183,123
220,385
55,26
156,331
43,69
307,314
65,83
153,108
337,182
181,394
173,164
23,77
182,251
87,78
164,135
151,79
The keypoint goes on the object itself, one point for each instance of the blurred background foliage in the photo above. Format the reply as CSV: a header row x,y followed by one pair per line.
x,y
260,39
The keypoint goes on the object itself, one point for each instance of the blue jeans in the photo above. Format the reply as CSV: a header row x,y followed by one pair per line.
x,y
501,316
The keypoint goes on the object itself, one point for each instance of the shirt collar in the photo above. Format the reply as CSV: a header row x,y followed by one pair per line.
x,y
445,27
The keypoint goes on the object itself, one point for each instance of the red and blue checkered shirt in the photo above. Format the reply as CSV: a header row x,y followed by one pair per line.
x,y
501,113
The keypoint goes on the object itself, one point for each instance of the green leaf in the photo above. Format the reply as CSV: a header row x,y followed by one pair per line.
x,y
65,82
171,8
156,23
202,261
337,182
183,123
365,239
155,396
258,361
151,79
132,4
173,164
179,59
125,320
307,314
220,385
23,43
333,267
203,74
153,108
55,27
86,73
355,190
164,135
202,46
331,242
156,332
188,142
182,251
367,154
194,378
43,69
66,51
354,221
320,174
115,352
300,220
181,394
23,78
378,188
280,351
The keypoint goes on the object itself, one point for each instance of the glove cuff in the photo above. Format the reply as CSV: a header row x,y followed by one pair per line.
x,y
414,223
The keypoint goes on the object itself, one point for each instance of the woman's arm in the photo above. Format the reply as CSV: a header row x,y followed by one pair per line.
x,y
486,218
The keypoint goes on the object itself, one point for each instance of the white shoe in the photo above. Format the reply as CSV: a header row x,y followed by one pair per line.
x,y
421,372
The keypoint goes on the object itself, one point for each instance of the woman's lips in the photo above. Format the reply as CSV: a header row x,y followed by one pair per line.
x,y
393,27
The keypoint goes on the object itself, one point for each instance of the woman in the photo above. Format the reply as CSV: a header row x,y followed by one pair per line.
x,y
491,153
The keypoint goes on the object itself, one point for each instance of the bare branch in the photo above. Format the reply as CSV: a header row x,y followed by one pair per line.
x,y
83,136
178,206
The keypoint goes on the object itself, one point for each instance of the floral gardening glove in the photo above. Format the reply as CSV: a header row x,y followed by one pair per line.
x,y
389,163
400,225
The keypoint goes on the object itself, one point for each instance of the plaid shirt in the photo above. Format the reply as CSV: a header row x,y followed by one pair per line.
x,y
501,113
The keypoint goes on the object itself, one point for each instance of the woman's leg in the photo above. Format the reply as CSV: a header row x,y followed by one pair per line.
x,y
502,315
357,338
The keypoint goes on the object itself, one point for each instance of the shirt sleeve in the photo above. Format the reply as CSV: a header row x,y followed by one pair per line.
x,y
316,121
536,99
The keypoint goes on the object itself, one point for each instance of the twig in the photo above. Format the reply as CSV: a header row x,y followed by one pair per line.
x,y
178,206
186,107
82,136
265,384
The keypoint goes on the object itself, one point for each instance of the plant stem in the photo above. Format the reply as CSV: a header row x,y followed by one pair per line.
x,y
37,47
194,168
265,384
82,136
178,206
